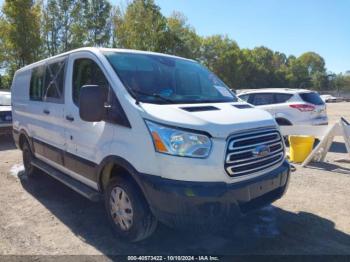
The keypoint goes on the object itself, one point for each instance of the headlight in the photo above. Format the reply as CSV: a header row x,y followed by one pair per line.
x,y
178,142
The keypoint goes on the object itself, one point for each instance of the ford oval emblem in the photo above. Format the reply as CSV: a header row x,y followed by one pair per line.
x,y
261,151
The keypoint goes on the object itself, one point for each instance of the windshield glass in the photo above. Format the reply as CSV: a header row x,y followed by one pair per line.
x,y
163,80
5,99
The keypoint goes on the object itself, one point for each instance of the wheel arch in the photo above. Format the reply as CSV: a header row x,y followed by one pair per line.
x,y
108,168
23,136
282,121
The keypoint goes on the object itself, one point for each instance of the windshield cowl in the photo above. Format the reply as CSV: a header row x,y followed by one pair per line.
x,y
164,102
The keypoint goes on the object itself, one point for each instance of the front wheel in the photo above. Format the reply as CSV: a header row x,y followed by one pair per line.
x,y
128,211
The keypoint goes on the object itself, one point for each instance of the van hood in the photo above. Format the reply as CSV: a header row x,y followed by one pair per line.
x,y
218,119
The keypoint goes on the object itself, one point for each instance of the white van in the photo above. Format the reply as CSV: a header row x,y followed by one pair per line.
x,y
159,137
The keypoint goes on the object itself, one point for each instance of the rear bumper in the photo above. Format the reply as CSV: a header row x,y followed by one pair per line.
x,y
314,122
320,121
196,204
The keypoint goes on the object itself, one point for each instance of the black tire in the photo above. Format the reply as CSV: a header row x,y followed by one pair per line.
x,y
284,122
28,156
143,221
286,141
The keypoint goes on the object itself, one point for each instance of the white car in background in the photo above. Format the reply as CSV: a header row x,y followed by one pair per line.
x,y
5,113
289,106
331,99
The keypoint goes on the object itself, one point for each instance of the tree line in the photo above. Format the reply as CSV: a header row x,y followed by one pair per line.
x,y
32,30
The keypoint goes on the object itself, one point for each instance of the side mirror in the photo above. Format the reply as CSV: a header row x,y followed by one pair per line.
x,y
92,103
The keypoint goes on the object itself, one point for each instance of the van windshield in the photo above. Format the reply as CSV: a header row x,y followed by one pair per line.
x,y
164,80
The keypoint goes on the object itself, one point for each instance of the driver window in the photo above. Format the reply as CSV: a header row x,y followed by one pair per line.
x,y
86,72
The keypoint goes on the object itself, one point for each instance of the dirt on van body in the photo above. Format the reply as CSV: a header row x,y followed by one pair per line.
x,y
44,217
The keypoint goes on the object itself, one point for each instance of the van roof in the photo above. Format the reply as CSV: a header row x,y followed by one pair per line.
x,y
274,90
96,50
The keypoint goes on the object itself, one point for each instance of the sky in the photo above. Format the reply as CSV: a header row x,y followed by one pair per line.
x,y
288,26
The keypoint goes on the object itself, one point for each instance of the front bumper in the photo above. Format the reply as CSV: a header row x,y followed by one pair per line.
x,y
5,129
197,204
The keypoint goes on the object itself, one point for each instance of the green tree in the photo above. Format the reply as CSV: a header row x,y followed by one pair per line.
x,y
66,9
51,26
297,75
263,68
182,38
314,67
19,33
27,34
341,82
142,27
313,62
98,22
59,17
319,81
78,28
115,16
307,71
221,55
69,24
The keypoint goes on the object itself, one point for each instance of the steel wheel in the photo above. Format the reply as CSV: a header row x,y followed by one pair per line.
x,y
121,208
128,210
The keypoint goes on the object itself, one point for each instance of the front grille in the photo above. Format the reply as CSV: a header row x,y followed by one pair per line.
x,y
241,158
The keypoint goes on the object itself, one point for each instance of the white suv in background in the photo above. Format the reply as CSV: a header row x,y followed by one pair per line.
x,y
289,106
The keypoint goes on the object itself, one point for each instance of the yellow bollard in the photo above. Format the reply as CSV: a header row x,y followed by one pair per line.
x,y
300,147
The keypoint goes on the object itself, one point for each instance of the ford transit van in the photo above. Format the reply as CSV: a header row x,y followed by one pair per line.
x,y
159,138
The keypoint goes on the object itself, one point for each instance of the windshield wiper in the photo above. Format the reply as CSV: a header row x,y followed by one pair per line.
x,y
152,95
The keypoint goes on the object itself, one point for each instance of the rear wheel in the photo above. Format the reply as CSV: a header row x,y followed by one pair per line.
x,y
128,211
28,156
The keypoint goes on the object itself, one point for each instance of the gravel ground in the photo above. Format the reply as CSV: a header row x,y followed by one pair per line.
x,y
43,217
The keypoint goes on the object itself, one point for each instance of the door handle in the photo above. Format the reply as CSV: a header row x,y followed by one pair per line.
x,y
46,111
70,118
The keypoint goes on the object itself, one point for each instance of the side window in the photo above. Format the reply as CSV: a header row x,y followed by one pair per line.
x,y
263,99
86,72
54,81
281,98
37,82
